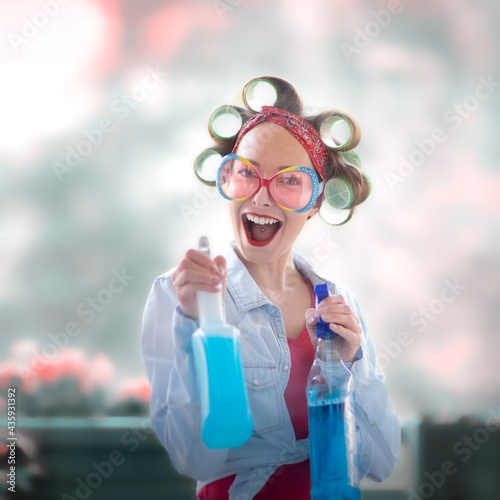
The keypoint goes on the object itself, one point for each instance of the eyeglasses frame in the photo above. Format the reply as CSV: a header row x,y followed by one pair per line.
x,y
317,186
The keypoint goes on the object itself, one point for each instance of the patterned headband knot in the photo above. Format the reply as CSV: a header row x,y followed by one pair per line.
x,y
298,127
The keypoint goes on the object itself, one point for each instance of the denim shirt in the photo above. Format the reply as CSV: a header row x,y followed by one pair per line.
x,y
175,399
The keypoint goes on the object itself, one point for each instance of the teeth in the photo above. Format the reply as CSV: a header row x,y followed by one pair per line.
x,y
261,220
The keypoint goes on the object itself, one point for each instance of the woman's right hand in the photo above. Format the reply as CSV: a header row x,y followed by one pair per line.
x,y
197,272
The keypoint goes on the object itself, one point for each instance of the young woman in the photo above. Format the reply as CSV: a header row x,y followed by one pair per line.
x,y
268,297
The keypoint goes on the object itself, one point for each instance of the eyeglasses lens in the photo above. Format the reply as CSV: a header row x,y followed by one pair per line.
x,y
238,180
292,189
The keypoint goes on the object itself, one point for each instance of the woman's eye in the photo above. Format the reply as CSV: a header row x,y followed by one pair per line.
x,y
291,180
246,172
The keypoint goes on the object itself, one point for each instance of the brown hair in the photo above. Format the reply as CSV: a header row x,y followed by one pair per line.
x,y
344,162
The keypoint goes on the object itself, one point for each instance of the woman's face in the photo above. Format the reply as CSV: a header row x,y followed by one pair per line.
x,y
270,148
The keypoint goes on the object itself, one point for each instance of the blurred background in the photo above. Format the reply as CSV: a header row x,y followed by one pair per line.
x,y
103,108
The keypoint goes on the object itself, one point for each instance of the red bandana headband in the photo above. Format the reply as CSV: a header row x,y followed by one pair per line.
x,y
299,128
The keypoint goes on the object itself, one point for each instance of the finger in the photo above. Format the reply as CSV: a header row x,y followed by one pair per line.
x,y
343,320
336,306
189,263
311,322
332,299
220,264
311,317
185,293
200,259
191,276
340,305
352,338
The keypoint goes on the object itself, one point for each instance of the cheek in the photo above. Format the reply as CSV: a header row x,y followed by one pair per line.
x,y
293,225
234,211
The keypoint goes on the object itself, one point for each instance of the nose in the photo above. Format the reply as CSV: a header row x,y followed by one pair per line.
x,y
262,198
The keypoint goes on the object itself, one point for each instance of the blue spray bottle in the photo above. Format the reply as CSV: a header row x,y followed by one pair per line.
x,y
332,428
226,419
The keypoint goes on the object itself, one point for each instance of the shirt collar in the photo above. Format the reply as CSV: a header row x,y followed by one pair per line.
x,y
240,283
246,293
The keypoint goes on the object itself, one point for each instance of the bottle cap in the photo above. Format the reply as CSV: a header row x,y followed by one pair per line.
x,y
322,328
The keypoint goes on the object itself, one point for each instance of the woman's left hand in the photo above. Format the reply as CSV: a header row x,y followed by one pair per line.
x,y
342,320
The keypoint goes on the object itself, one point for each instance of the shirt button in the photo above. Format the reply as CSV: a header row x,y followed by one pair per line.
x,y
281,336
274,310
256,381
285,368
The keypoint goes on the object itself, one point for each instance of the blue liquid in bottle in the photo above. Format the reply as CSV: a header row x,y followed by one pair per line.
x,y
332,428
226,419
331,469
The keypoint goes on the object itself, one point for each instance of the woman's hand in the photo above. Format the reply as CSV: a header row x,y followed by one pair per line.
x,y
197,272
342,320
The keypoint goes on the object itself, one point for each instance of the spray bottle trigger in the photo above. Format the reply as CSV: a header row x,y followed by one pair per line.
x,y
322,328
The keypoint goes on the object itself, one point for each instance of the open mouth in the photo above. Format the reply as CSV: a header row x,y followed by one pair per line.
x,y
260,231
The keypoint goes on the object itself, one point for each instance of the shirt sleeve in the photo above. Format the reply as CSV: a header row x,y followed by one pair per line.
x,y
175,400
378,430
